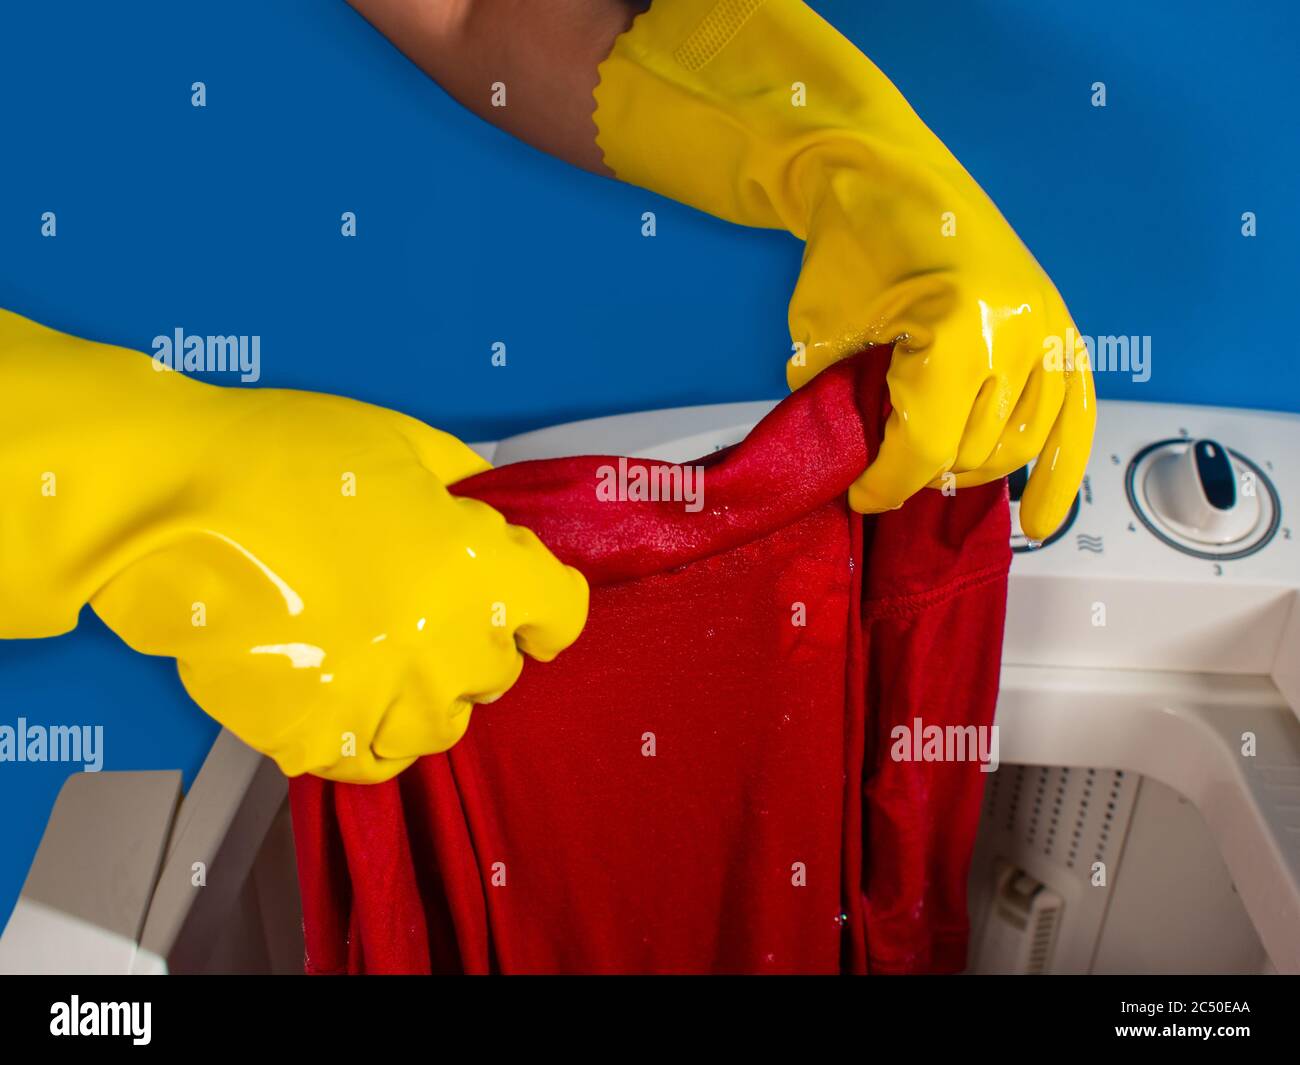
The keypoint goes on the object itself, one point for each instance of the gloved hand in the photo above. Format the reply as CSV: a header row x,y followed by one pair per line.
x,y
324,595
759,112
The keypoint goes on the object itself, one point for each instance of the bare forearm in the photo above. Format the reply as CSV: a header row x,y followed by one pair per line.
x,y
538,59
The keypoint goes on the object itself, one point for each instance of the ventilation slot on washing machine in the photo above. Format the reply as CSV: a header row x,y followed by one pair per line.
x,y
1069,816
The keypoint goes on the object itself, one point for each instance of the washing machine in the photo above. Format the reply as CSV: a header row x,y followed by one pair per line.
x,y
1144,818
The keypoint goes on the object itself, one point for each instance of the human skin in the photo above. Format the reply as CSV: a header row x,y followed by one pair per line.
x,y
545,53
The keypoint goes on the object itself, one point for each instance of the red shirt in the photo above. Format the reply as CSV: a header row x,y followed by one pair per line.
x,y
704,781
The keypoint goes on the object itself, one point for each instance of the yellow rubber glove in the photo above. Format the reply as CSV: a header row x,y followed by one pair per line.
x,y
758,111
324,595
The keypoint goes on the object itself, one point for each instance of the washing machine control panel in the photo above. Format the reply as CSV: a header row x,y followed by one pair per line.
x,y
1178,552
1196,496
1176,492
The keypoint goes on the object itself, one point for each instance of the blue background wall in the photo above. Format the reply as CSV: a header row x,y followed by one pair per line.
x,y
226,220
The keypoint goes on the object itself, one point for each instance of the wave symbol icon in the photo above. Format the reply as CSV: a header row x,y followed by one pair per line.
x,y
1089,543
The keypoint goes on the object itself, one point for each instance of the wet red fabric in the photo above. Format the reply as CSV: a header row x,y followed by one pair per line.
x,y
704,781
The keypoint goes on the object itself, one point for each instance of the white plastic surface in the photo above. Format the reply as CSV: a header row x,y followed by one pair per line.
x,y
1188,731
42,941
